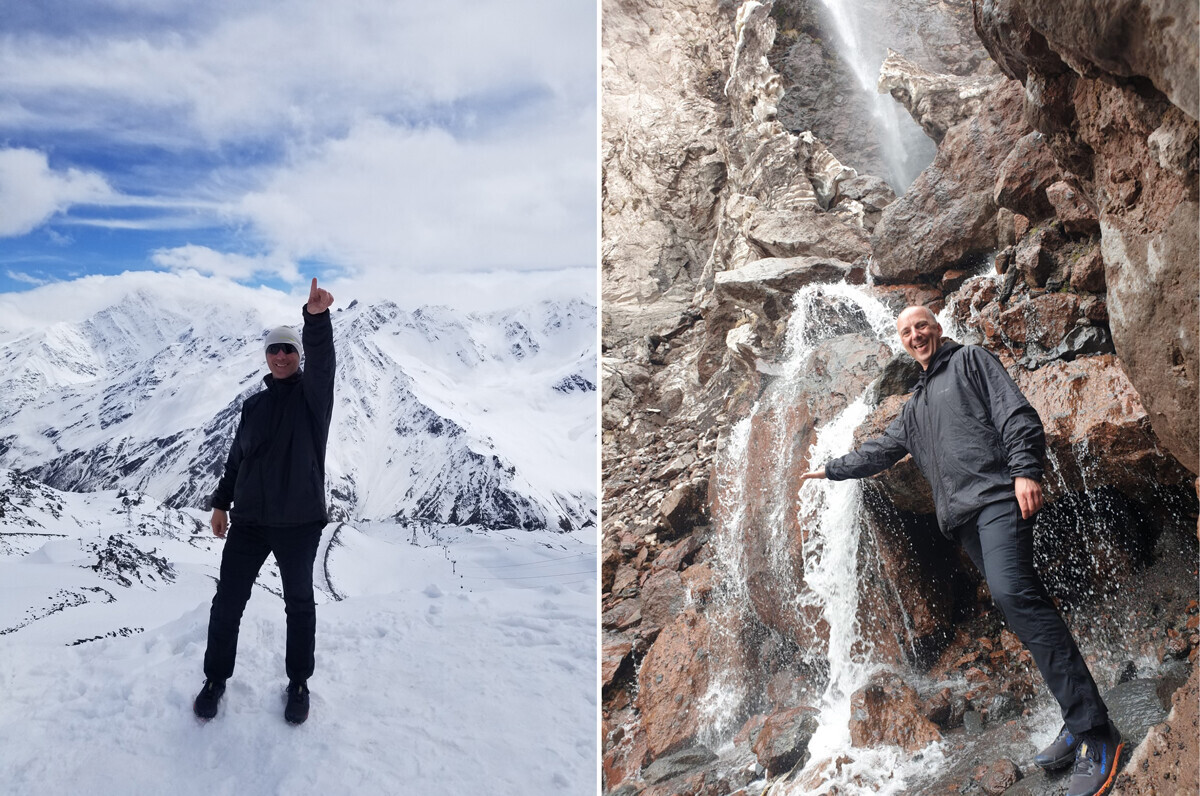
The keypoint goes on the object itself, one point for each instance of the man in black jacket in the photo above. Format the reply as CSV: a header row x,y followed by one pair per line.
x,y
980,445
273,489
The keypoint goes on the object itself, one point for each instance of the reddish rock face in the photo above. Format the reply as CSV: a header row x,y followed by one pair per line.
x,y
1024,175
663,596
1090,405
887,711
1071,207
625,752
674,676
949,211
612,655
1132,151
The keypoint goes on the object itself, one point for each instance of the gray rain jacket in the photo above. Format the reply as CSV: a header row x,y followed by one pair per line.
x,y
969,430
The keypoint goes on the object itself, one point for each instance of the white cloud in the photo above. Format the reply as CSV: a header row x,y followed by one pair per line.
x,y
236,267
385,197
308,66
367,135
77,300
28,279
31,192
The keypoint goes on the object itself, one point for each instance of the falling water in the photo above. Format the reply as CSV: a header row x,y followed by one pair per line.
x,y
905,148
831,514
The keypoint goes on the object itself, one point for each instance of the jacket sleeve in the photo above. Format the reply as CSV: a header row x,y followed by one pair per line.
x,y
1018,423
222,498
320,363
874,456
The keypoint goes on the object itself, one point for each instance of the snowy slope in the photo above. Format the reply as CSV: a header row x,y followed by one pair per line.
x,y
484,418
447,661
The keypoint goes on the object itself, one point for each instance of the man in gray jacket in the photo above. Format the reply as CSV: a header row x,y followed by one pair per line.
x,y
980,445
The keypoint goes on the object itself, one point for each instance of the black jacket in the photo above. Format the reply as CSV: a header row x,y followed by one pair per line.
x,y
969,430
275,473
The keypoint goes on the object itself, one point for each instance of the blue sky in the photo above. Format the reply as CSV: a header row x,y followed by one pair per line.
x,y
377,142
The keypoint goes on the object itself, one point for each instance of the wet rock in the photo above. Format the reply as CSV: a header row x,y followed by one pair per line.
x,y
625,753
1024,176
663,597
1079,342
674,675
945,709
767,285
782,742
887,711
677,764
899,376
1072,209
1001,775
684,507
612,655
1167,762
1089,405
948,212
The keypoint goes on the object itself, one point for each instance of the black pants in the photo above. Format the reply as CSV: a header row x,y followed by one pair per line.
x,y
246,548
1000,543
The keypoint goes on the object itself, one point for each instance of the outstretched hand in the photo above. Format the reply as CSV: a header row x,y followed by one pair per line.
x,y
319,299
820,473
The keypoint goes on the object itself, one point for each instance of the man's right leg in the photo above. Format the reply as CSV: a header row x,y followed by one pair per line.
x,y
245,551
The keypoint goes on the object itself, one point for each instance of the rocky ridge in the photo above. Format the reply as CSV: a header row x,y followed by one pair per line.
x,y
1064,179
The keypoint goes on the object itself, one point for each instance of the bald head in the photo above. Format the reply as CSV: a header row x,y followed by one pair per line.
x,y
920,333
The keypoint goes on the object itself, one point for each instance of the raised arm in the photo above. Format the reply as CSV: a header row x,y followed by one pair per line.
x,y
320,361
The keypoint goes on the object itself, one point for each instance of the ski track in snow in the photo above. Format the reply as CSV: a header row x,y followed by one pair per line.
x,y
463,664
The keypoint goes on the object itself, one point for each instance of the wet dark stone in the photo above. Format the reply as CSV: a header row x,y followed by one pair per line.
x,y
674,765
833,316
899,376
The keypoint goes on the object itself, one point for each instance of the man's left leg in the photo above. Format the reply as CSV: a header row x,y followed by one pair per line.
x,y
1006,544
295,552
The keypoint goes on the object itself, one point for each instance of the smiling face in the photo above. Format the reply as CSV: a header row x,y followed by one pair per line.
x,y
920,334
281,363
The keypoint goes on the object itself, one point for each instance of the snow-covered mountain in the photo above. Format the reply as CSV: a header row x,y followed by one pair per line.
x,y
485,419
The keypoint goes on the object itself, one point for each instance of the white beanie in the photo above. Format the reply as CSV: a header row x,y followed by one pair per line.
x,y
283,334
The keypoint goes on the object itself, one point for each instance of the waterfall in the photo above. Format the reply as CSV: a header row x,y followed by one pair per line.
x,y
831,514
905,148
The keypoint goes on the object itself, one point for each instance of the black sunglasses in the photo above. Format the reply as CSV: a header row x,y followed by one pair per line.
x,y
275,348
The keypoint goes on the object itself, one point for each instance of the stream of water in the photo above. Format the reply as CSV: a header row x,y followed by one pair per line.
x,y
904,147
831,513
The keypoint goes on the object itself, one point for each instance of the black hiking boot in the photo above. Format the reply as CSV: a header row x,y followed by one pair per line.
x,y
1096,762
296,710
1059,753
205,705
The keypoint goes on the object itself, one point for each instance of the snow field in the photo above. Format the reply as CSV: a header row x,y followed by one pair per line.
x,y
463,664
